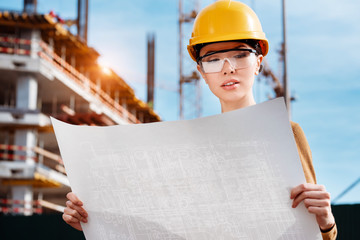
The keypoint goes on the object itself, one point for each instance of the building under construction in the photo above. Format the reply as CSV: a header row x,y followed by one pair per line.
x,y
45,70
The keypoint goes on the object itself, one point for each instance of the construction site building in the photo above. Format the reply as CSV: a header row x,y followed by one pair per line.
x,y
45,70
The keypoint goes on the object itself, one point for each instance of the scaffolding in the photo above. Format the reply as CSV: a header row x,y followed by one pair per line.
x,y
189,79
47,71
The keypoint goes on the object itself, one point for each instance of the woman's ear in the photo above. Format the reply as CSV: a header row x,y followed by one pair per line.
x,y
201,72
258,64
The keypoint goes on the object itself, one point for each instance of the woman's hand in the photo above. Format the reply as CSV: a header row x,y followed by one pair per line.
x,y
74,213
317,201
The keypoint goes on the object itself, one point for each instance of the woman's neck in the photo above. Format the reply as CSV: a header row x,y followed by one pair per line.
x,y
234,105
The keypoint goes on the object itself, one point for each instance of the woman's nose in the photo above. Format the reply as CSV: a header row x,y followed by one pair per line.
x,y
228,67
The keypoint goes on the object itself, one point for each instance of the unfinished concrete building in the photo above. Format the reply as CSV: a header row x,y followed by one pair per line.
x,y
47,71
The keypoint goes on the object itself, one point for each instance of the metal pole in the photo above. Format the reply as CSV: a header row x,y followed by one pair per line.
x,y
82,19
150,68
30,6
285,80
346,191
180,61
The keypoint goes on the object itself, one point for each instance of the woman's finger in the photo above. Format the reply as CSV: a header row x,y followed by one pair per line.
x,y
73,214
69,218
74,199
310,195
316,202
304,188
79,209
319,211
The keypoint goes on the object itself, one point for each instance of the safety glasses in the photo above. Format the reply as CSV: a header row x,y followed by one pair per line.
x,y
213,62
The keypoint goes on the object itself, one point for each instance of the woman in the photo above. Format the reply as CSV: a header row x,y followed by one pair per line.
x,y
228,45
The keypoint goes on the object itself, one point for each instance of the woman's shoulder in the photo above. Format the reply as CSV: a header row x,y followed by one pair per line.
x,y
300,137
294,125
304,152
297,130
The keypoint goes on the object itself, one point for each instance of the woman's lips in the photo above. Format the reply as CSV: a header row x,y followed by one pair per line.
x,y
230,84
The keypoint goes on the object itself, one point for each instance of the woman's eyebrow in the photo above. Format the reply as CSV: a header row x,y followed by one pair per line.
x,y
242,46
209,51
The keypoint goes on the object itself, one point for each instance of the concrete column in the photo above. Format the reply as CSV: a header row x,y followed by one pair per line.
x,y
41,157
87,80
51,43
73,61
124,105
133,112
141,117
35,43
26,92
25,137
63,52
98,86
72,102
51,46
23,193
108,90
98,83
116,97
26,99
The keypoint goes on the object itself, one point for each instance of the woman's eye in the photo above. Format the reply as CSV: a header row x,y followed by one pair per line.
x,y
213,60
241,55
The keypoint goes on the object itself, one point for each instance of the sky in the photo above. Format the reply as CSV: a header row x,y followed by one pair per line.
x,y
323,67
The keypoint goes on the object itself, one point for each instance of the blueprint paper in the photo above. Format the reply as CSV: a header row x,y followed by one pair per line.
x,y
221,177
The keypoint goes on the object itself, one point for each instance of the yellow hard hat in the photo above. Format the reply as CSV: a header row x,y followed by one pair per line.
x,y
226,20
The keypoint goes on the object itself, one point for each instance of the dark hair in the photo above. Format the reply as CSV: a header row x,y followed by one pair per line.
x,y
251,42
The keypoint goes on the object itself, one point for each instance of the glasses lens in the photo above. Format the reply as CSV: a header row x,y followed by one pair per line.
x,y
239,59
242,59
212,65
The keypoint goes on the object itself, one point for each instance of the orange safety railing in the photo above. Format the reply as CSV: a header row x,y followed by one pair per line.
x,y
6,208
21,47
36,206
4,155
13,45
12,210
50,56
